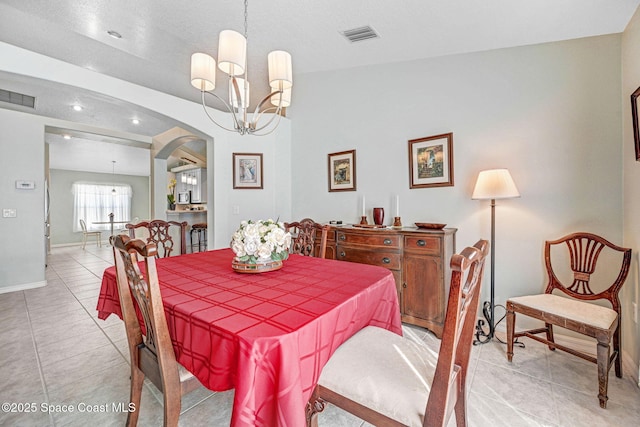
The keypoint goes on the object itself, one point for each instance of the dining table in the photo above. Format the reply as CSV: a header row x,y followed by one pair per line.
x,y
266,335
111,222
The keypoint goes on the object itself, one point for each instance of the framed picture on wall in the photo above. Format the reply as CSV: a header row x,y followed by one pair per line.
x,y
342,171
431,161
247,170
634,117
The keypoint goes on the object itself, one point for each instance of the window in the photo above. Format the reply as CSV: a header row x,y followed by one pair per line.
x,y
94,202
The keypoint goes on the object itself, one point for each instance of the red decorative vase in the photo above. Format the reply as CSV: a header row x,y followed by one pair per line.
x,y
378,216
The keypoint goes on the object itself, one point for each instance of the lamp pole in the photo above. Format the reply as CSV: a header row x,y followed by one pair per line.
x,y
491,185
489,312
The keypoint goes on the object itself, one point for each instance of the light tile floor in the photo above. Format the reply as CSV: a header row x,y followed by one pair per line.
x,y
55,352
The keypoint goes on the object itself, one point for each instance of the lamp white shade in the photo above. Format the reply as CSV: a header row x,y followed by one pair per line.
x,y
203,71
286,98
280,70
495,184
232,52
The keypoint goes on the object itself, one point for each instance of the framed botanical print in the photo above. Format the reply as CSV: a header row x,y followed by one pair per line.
x,y
247,171
431,161
342,171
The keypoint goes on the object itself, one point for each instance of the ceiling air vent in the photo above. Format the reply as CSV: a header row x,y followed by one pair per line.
x,y
17,98
360,34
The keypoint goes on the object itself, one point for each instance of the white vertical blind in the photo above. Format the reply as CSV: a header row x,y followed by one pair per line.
x,y
94,202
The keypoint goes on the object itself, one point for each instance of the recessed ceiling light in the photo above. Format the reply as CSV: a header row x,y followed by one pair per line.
x,y
77,107
135,121
67,136
114,34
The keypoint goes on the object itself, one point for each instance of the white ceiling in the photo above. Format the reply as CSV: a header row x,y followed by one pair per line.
x,y
158,37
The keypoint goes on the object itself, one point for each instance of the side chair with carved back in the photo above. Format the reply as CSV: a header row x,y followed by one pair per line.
x,y
571,308
304,237
162,234
151,352
389,380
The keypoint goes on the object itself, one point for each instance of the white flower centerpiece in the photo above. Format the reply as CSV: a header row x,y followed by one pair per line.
x,y
260,246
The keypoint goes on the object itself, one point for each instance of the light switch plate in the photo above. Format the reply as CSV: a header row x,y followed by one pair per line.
x,y
25,185
9,213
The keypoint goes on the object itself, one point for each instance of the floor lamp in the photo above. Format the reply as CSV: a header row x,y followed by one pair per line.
x,y
492,184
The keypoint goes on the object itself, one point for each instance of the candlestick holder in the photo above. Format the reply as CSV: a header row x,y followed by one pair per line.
x,y
396,222
363,220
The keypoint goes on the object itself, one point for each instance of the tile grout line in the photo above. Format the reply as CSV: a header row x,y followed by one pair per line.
x,y
94,319
35,349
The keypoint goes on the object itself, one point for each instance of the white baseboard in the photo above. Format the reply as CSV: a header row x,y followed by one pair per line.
x,y
66,245
22,287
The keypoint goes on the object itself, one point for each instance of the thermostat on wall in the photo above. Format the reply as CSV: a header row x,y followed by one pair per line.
x,y
25,185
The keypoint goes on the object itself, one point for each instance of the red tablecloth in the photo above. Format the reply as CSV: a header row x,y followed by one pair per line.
x,y
267,335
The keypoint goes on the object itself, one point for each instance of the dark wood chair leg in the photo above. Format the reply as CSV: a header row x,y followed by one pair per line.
x,y
549,327
603,353
137,380
511,324
315,405
460,407
172,405
618,350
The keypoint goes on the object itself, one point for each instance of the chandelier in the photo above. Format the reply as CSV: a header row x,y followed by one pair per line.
x,y
232,60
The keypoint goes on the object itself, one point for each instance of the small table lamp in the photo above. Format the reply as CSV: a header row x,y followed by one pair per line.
x,y
492,184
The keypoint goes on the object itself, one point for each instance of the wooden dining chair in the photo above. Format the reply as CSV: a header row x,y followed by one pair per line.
x,y
151,353
388,380
304,235
161,233
86,234
576,313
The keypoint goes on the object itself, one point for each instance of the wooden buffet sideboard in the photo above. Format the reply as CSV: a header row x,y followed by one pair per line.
x,y
419,260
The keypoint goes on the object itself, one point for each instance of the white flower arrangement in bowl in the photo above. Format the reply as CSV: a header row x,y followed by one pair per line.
x,y
258,243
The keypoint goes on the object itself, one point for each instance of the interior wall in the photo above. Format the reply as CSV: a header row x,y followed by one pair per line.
x,y
631,290
22,257
25,136
62,201
550,113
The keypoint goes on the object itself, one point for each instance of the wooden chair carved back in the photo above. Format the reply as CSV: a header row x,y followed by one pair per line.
x,y
161,234
467,270
303,237
400,375
584,250
581,281
150,349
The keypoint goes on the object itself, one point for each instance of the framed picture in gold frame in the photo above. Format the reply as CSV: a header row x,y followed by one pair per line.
x,y
431,161
342,171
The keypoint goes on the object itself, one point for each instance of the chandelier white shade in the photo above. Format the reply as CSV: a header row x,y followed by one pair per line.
x,y
495,184
203,72
280,71
232,60
232,52
285,95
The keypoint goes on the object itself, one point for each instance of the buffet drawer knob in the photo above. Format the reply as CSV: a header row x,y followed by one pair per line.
x,y
387,241
421,242
386,260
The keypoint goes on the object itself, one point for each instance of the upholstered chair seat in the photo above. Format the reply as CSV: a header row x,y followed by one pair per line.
x,y
570,309
382,370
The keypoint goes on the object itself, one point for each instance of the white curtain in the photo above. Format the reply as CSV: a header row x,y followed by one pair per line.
x,y
94,202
